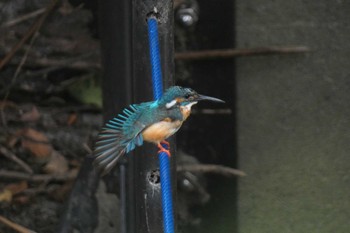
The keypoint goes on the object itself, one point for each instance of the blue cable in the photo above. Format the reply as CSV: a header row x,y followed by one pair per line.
x,y
164,162
167,198
157,78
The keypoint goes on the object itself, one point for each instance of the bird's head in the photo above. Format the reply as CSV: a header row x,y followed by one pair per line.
x,y
181,96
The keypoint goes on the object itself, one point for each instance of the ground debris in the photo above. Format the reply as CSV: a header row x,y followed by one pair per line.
x,y
46,127
12,189
36,142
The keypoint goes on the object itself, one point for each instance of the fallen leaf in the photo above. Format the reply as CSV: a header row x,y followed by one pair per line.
x,y
61,193
13,139
72,118
5,104
74,172
66,8
5,195
87,90
57,164
37,143
10,111
31,115
74,163
21,199
17,187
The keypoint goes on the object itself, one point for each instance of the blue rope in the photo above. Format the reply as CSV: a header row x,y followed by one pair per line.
x,y
164,163
155,58
167,198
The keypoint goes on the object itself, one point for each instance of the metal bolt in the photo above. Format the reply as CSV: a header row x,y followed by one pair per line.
x,y
187,16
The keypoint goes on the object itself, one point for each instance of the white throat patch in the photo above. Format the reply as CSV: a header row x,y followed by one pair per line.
x,y
170,104
188,106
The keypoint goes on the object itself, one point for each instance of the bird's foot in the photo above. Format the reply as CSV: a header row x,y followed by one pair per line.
x,y
165,143
165,151
165,148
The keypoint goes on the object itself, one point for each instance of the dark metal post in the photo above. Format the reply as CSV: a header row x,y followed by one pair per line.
x,y
115,30
148,211
127,79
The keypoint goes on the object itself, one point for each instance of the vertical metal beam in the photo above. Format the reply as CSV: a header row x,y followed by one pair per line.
x,y
127,79
148,211
116,45
115,31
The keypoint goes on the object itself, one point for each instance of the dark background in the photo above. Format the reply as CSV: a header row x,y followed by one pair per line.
x,y
285,122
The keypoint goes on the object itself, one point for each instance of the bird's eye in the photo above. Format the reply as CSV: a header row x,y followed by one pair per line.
x,y
187,96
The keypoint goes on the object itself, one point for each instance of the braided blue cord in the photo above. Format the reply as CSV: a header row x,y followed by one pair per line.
x,y
164,163
167,198
155,58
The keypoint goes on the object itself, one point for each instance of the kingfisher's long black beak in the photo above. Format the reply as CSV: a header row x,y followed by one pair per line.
x,y
203,97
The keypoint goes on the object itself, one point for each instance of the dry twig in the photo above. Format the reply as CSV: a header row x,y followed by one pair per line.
x,y
229,53
15,226
8,154
4,174
206,168
73,63
211,168
33,29
23,18
20,65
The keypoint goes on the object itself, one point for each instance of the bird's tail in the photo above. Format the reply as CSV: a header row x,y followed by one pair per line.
x,y
108,150
111,144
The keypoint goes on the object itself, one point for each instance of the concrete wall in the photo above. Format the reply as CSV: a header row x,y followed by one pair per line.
x,y
294,117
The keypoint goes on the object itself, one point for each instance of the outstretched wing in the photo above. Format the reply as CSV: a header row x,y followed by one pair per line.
x,y
119,136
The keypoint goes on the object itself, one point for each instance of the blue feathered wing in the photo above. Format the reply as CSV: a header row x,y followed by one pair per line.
x,y
122,134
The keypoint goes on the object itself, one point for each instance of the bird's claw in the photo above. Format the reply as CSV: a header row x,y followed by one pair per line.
x,y
165,143
165,148
165,151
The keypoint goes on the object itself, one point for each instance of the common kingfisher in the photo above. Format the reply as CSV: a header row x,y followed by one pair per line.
x,y
152,121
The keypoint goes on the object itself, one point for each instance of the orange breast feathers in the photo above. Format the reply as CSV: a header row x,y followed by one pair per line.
x,y
161,130
186,110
